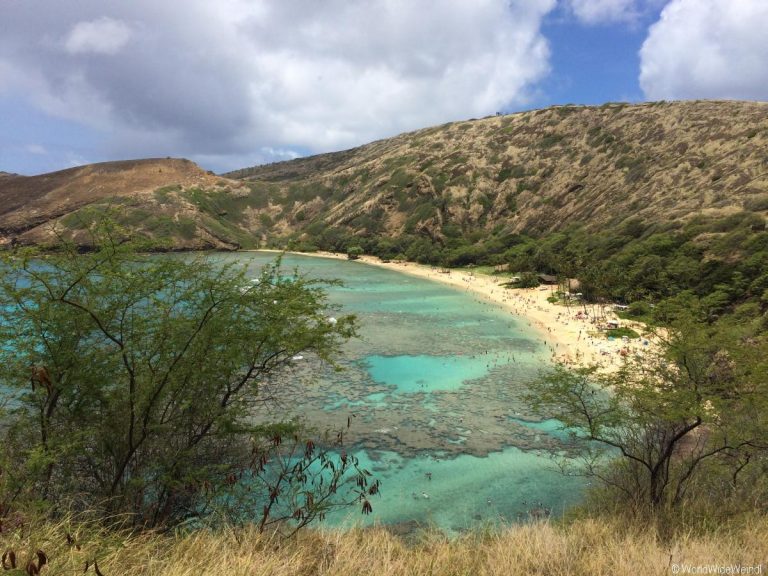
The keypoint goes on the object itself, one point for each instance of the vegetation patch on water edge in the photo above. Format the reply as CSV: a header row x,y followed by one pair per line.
x,y
719,260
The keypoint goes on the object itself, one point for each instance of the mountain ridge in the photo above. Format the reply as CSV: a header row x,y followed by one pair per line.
x,y
32,207
524,173
575,159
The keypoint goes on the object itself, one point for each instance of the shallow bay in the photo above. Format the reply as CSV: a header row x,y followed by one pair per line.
x,y
432,389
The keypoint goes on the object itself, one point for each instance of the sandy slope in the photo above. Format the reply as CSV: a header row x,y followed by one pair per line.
x,y
570,334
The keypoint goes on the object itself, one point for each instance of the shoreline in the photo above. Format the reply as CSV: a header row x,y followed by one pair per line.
x,y
571,336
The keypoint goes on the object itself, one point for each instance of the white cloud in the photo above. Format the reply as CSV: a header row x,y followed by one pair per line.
x,y
238,77
712,49
36,149
594,12
280,153
603,11
102,36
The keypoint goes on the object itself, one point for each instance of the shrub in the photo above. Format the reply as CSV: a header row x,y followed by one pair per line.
x,y
354,252
132,379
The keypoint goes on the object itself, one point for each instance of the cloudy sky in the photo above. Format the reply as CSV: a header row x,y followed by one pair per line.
x,y
234,83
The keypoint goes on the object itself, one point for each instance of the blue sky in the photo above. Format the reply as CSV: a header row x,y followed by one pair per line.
x,y
592,64
235,83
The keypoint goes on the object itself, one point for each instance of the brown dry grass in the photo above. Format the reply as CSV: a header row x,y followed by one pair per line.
x,y
531,172
588,547
593,165
34,197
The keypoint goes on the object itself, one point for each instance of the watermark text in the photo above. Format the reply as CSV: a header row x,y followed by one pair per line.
x,y
718,569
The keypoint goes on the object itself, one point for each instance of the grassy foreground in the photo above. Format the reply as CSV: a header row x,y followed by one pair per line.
x,y
587,547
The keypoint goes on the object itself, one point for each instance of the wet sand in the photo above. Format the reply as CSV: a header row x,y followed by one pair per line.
x,y
571,333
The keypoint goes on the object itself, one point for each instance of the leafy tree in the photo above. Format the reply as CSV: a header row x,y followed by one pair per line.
x,y
386,248
652,425
132,383
421,250
354,252
638,308
527,280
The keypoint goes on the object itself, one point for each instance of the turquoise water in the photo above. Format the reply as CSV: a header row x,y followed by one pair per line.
x,y
550,426
433,385
425,373
463,491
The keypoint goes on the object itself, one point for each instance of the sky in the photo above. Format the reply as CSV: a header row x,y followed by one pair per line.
x,y
235,83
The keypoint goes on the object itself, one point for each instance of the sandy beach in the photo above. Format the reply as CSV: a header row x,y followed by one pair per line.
x,y
570,333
